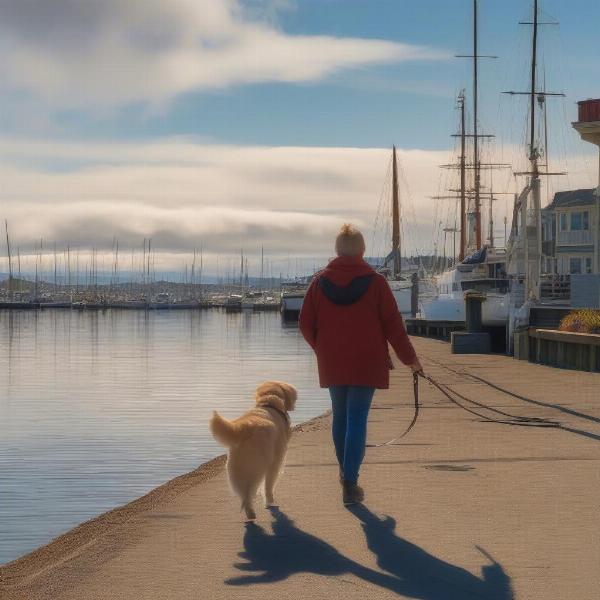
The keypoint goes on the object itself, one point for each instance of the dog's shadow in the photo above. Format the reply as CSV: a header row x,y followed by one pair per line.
x,y
408,569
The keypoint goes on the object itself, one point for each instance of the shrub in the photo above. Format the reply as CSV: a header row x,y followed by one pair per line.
x,y
584,320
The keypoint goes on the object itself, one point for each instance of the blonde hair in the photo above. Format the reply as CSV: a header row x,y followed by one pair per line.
x,y
349,241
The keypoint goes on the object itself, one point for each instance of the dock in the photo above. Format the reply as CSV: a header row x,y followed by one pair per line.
x,y
433,329
461,508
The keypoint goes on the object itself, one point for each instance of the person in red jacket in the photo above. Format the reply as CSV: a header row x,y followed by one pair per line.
x,y
348,316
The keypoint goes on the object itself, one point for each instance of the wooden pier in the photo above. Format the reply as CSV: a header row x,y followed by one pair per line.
x,y
434,329
564,349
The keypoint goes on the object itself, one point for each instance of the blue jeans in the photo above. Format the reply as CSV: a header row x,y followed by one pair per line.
x,y
350,404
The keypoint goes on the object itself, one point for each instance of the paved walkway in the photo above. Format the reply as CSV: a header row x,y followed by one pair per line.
x,y
459,509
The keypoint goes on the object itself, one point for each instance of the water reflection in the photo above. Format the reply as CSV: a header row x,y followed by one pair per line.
x,y
97,408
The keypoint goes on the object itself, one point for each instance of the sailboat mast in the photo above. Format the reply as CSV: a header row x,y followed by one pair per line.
x,y
535,266
201,266
55,267
262,266
532,149
463,200
491,220
395,215
192,275
10,271
144,264
477,180
242,270
117,263
69,265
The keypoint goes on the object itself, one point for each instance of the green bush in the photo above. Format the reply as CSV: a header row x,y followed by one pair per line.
x,y
584,320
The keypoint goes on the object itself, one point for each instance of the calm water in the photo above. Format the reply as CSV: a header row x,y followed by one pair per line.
x,y
97,408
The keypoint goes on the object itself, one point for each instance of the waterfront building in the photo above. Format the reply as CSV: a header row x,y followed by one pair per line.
x,y
570,242
588,127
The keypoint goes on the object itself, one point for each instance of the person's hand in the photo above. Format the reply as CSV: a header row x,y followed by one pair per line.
x,y
416,366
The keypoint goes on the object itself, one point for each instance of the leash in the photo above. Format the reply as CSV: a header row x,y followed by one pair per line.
x,y
416,376
510,420
448,392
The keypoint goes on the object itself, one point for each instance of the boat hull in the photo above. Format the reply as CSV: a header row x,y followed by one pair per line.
x,y
403,299
494,311
291,306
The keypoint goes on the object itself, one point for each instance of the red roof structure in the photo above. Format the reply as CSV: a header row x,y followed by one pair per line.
x,y
589,110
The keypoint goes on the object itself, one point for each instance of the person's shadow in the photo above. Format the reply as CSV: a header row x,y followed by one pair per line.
x,y
422,574
409,570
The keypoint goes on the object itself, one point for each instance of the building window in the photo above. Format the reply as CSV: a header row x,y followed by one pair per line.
x,y
588,265
580,221
563,221
575,266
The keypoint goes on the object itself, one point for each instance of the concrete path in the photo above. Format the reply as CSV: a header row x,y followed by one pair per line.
x,y
459,509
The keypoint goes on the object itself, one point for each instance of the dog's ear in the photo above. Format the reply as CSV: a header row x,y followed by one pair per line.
x,y
290,395
282,390
268,388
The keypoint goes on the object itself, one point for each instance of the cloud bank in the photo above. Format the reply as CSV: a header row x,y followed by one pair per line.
x,y
90,55
184,193
181,193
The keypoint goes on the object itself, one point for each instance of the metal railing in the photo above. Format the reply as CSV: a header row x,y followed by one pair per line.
x,y
555,287
573,238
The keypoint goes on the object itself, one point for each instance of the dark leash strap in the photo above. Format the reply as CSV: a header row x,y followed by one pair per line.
x,y
509,419
416,376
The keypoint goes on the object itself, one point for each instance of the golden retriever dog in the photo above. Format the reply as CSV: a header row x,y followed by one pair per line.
x,y
257,442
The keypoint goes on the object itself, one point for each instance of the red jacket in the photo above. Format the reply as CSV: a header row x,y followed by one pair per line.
x,y
348,316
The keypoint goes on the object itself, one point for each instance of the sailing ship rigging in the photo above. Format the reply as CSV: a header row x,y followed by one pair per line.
x,y
481,267
525,242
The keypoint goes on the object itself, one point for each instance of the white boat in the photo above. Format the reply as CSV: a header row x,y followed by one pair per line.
x,y
161,301
250,299
292,297
488,277
233,303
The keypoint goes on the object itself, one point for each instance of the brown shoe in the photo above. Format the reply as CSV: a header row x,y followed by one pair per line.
x,y
353,493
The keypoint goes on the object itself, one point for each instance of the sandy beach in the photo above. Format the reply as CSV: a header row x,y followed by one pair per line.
x,y
460,508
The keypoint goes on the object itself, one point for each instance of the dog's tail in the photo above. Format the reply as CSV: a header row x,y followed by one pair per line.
x,y
224,431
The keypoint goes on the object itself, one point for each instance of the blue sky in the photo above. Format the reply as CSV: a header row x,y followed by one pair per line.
x,y
101,102
410,103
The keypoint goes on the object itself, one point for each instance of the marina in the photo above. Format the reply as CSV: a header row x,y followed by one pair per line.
x,y
174,182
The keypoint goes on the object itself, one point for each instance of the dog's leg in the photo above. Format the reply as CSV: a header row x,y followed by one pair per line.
x,y
271,479
248,505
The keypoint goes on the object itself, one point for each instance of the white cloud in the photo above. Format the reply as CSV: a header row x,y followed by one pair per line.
x,y
182,193
105,54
